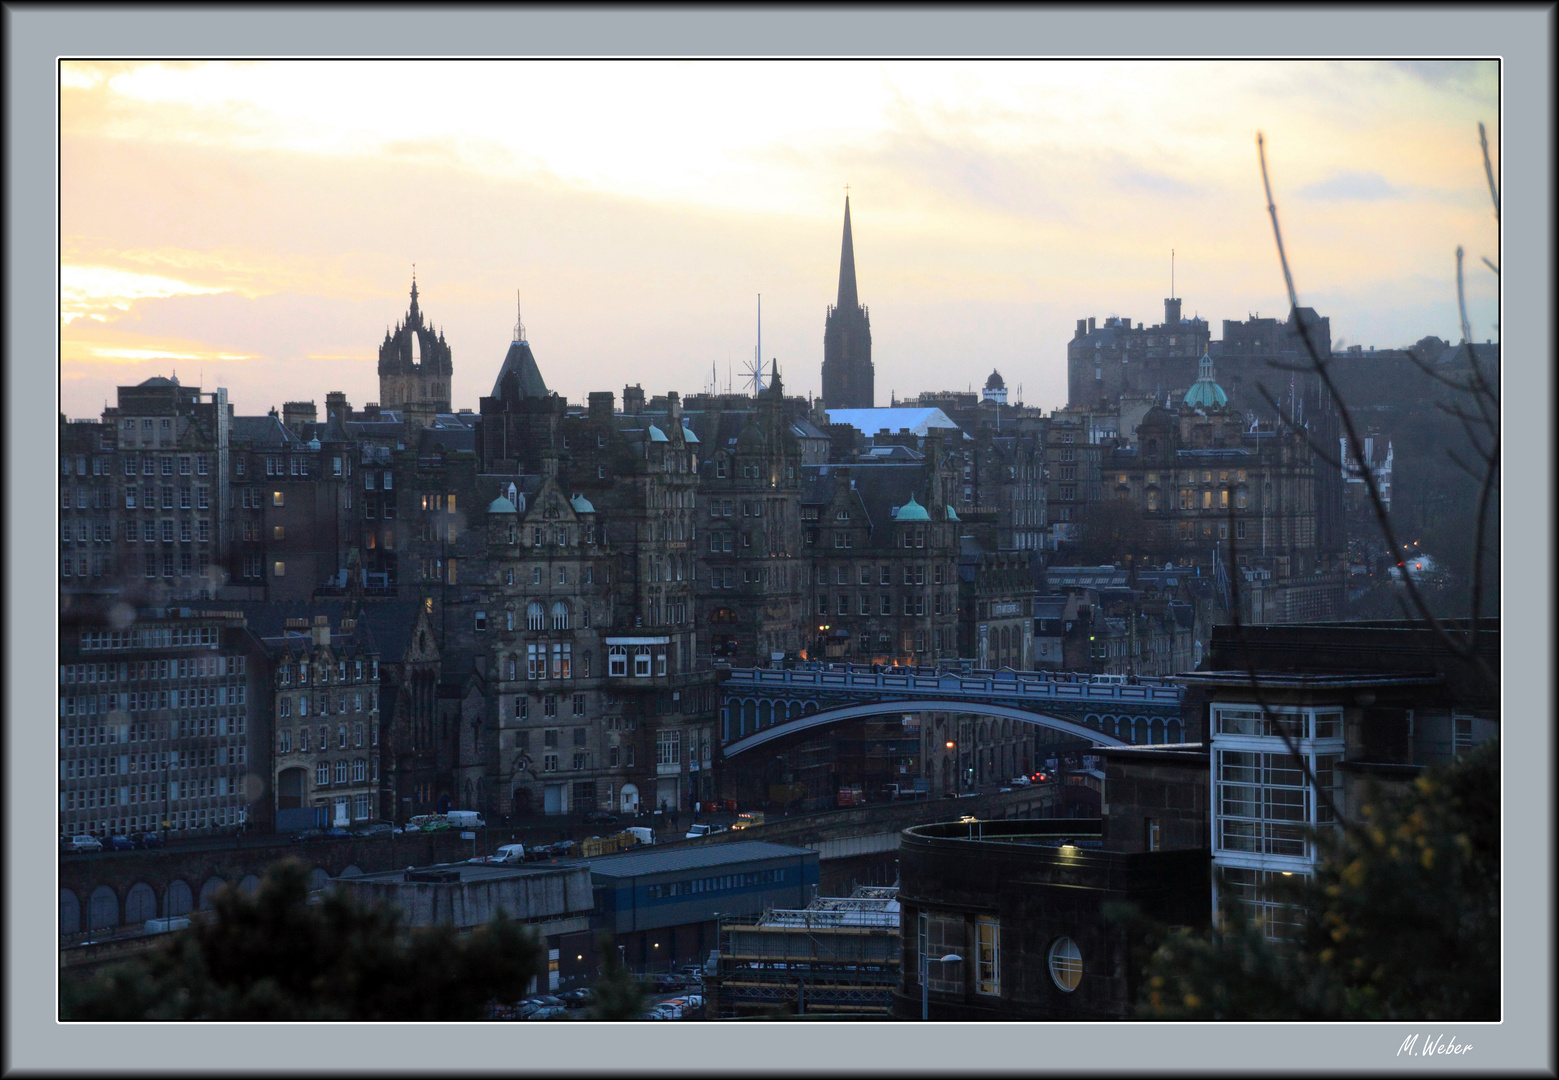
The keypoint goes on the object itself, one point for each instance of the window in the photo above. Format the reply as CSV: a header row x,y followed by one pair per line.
x,y
617,661
1066,964
641,661
560,614
278,569
481,621
668,747
987,956
341,767
1152,834
535,616
322,774
938,936
278,499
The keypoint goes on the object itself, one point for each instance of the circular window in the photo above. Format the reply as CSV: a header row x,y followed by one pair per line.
x,y
1066,964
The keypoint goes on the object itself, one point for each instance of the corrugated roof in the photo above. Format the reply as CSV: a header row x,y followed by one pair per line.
x,y
640,863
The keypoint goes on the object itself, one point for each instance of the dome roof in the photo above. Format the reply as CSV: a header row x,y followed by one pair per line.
x,y
581,505
655,434
912,511
994,382
952,515
1205,393
501,505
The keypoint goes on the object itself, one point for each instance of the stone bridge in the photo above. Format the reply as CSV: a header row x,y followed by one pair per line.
x,y
104,894
764,704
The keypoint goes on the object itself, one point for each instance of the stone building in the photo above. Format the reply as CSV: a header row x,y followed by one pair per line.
x,y
1107,362
326,717
848,376
751,579
164,722
884,562
996,607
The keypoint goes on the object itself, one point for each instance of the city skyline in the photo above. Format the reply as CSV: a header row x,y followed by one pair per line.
x,y
215,223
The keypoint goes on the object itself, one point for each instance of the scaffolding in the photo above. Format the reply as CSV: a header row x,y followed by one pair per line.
x,y
838,955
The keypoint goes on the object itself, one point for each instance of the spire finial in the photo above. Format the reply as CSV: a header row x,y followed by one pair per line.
x,y
519,320
848,299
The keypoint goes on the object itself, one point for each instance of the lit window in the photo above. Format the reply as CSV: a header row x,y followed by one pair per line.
x,y
988,956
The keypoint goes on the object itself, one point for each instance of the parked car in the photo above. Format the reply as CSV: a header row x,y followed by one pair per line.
x,y
118,843
548,1012
577,999
1020,781
378,828
146,839
601,817
561,848
304,835
665,984
83,843
336,832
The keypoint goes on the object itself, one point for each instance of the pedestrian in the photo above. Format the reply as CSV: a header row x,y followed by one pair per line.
x,y
697,809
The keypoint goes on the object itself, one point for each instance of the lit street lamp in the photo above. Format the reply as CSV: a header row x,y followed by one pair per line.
x,y
925,985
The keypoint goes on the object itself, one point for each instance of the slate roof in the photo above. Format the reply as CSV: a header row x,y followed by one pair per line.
x,y
262,431
521,362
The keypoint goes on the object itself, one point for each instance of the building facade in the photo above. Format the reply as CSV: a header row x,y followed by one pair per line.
x,y
164,723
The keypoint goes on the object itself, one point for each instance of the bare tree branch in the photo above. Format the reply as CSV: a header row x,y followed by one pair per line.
x,y
1488,169
1464,649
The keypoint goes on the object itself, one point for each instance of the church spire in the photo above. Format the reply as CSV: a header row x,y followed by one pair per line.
x,y
847,296
415,319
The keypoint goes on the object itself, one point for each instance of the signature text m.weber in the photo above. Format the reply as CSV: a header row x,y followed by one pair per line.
x,y
1431,1046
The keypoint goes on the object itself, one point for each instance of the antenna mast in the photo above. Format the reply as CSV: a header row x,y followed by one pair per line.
x,y
1171,273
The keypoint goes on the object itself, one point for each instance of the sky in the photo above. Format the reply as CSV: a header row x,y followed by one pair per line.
x,y
256,225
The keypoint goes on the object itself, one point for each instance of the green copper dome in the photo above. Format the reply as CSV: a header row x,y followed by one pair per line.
x,y
912,511
1205,393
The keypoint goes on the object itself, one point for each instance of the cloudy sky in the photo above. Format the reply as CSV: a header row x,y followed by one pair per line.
x,y
255,225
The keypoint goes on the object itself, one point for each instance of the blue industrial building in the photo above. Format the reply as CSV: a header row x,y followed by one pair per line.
x,y
663,904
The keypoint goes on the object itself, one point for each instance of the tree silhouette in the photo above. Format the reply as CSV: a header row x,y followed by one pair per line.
x,y
275,955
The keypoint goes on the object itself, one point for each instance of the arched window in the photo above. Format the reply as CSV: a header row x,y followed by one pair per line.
x,y
535,616
617,661
560,615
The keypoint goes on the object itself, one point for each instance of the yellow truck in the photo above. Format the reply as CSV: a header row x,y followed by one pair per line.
x,y
748,820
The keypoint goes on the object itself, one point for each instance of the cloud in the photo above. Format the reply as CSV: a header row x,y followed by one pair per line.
x,y
1353,185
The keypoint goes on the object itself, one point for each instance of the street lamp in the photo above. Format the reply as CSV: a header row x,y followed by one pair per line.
x,y
925,985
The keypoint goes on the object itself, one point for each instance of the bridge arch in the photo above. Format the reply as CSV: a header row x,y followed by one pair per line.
x,y
70,912
178,900
880,708
140,903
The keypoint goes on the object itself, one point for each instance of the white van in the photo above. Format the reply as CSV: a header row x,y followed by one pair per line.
x,y
642,834
464,819
1107,680
509,853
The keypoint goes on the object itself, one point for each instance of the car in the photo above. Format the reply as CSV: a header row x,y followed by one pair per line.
x,y
436,825
338,833
562,847
305,835
949,794
1020,781
524,1010
146,839
664,984
577,999
410,828
378,828
547,1012
119,843
601,817
83,843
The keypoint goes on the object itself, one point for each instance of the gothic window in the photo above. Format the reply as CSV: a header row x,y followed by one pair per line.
x,y
535,616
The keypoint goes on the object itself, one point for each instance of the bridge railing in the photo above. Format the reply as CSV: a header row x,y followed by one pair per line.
x,y
1035,685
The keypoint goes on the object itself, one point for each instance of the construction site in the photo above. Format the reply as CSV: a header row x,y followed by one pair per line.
x,y
837,956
